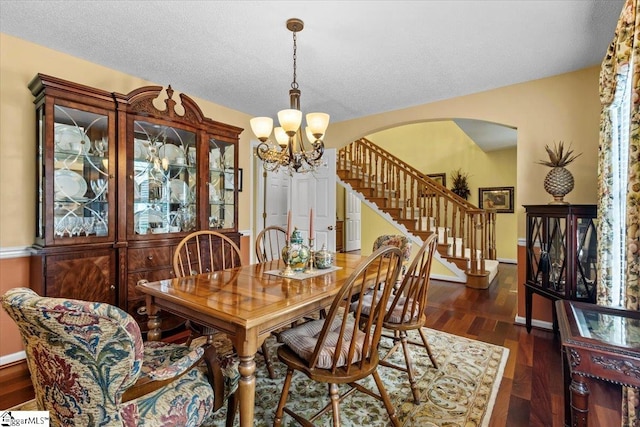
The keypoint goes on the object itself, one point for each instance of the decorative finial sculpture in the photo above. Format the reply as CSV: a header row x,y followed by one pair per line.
x,y
559,181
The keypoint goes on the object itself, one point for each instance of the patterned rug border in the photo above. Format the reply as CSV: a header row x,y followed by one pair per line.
x,y
494,393
486,417
499,375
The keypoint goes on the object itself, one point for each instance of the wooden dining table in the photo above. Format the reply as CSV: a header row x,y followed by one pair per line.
x,y
248,304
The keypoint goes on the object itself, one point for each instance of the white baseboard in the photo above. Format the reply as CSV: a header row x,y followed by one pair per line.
x,y
447,278
519,320
10,358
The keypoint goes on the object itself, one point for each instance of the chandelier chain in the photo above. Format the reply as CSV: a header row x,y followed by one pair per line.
x,y
294,83
289,151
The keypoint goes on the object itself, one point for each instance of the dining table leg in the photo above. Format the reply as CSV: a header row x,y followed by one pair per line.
x,y
247,389
154,322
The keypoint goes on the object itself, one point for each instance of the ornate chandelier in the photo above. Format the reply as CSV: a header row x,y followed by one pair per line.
x,y
291,151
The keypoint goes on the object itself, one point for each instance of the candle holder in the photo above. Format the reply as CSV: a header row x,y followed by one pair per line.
x,y
310,264
287,271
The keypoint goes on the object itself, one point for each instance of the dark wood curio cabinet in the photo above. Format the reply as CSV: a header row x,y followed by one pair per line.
x,y
561,255
121,179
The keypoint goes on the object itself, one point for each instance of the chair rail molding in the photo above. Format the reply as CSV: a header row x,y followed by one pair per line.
x,y
14,252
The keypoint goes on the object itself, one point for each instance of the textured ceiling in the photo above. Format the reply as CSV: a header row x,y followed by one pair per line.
x,y
355,58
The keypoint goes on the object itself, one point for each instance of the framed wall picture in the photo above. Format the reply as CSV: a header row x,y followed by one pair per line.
x,y
228,180
498,198
440,178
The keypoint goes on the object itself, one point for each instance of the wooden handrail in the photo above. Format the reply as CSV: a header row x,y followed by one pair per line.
x,y
365,143
420,203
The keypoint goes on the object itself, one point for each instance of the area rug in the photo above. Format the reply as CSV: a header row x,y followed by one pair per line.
x,y
460,393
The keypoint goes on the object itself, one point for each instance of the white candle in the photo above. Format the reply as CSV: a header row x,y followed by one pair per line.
x,y
311,234
288,225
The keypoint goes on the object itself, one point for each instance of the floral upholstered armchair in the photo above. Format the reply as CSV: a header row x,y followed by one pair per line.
x,y
89,366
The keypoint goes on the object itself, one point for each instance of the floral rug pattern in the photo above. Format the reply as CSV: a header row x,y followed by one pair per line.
x,y
461,393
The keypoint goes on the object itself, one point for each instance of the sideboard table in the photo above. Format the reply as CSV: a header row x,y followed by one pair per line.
x,y
597,342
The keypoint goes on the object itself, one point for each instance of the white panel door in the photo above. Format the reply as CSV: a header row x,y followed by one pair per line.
x,y
272,197
278,185
325,203
277,193
352,222
318,191
302,190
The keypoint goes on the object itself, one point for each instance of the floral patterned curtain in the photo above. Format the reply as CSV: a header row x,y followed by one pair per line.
x,y
619,178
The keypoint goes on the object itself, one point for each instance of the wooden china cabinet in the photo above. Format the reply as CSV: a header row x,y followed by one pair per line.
x,y
121,179
561,255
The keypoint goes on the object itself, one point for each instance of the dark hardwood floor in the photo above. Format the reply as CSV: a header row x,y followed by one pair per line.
x,y
531,392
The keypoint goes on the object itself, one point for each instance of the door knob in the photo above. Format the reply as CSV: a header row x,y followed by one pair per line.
x,y
330,227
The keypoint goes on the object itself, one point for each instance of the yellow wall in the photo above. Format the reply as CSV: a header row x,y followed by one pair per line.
x,y
564,107
442,147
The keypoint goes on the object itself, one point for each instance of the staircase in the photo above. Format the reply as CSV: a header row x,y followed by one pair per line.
x,y
466,234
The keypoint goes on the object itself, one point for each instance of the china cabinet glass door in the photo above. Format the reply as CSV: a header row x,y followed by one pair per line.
x,y
80,175
222,184
561,250
164,179
586,246
550,266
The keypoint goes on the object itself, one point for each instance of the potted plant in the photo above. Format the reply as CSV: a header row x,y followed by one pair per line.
x,y
460,184
559,181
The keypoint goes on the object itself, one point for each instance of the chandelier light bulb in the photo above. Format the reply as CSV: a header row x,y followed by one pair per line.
x,y
310,137
290,120
261,127
281,136
317,123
